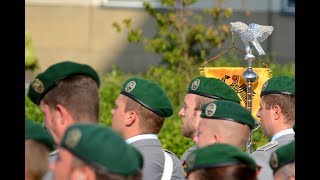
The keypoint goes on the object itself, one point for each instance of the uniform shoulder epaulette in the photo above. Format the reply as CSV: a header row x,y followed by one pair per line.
x,y
268,146
166,150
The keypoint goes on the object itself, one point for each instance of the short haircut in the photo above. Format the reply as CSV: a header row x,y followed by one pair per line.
x,y
79,94
286,103
150,121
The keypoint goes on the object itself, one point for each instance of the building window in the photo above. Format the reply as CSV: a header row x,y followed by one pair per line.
x,y
130,3
288,7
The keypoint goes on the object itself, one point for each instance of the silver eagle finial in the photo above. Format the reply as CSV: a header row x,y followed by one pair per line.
x,y
252,35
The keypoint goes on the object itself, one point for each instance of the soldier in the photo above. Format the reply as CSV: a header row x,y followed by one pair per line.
x,y
38,144
277,117
225,122
138,115
201,90
89,151
66,92
282,162
220,161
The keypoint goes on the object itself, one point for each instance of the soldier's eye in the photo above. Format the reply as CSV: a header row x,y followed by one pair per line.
x,y
184,107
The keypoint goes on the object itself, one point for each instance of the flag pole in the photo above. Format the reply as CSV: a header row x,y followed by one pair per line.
x,y
251,77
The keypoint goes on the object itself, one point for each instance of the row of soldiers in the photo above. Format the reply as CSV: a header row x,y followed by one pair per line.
x,y
75,146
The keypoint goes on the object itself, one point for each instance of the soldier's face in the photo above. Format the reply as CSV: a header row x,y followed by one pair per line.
x,y
266,118
118,114
50,122
190,116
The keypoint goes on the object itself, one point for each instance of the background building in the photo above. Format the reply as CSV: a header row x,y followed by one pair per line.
x,y
81,30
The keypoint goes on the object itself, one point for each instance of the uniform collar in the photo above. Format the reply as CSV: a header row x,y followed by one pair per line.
x,y
140,137
281,133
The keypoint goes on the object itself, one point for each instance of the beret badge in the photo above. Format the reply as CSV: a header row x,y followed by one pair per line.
x,y
264,86
195,84
130,86
211,109
73,137
38,86
274,161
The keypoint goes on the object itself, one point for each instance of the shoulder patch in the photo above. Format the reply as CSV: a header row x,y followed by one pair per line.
x,y
268,146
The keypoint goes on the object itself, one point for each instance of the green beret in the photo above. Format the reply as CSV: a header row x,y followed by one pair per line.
x,y
102,148
282,156
279,85
227,110
36,132
217,155
149,94
213,88
51,77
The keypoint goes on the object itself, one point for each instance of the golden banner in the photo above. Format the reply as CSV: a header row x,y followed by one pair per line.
x,y
233,76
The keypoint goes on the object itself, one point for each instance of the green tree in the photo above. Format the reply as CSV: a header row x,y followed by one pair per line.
x,y
185,36
31,61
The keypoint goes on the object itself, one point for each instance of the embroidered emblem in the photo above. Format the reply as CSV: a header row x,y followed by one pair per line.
x,y
190,161
264,86
38,86
225,78
184,166
130,86
274,163
73,137
195,84
211,109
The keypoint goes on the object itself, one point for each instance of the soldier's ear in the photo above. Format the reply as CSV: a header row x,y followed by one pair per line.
x,y
277,111
131,117
216,138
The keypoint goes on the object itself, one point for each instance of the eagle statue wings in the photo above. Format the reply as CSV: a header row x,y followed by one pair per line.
x,y
252,35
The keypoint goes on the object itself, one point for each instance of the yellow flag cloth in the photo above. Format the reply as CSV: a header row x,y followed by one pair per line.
x,y
233,76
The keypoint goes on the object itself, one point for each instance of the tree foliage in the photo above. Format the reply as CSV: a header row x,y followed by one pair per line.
x,y
31,61
184,35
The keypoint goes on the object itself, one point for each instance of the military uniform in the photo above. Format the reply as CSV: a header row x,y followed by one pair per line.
x,y
151,96
263,153
186,154
276,85
153,156
211,88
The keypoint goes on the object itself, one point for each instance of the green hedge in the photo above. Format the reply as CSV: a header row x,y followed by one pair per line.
x,y
176,85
